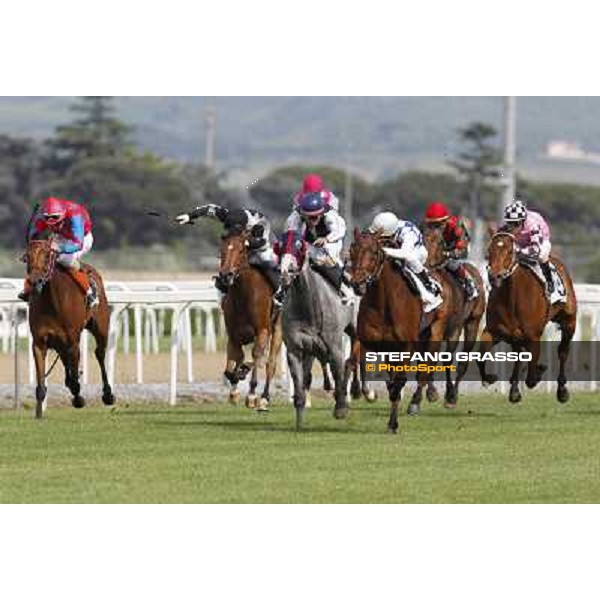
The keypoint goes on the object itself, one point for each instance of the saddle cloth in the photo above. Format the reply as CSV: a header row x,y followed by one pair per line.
x,y
560,290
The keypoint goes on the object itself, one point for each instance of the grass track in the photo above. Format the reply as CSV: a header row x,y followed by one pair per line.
x,y
485,451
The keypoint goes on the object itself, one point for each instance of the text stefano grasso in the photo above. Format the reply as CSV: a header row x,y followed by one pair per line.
x,y
447,356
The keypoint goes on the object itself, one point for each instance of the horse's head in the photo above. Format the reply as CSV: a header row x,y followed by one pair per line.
x,y
234,256
501,257
434,242
41,261
367,259
292,252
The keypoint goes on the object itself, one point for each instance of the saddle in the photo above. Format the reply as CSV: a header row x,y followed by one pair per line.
x,y
411,279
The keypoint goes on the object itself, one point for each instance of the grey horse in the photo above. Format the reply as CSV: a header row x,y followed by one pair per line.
x,y
314,321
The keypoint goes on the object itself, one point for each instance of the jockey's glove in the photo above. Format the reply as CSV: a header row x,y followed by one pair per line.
x,y
320,242
183,219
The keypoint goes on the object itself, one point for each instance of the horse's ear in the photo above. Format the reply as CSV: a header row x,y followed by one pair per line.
x,y
356,233
491,230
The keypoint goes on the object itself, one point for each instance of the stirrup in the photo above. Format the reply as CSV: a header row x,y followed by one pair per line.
x,y
24,296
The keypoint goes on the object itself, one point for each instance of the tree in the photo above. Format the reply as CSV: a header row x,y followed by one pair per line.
x,y
479,164
95,133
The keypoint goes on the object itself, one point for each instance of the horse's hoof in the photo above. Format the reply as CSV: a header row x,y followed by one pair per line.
x,y
78,402
370,396
341,412
489,379
39,410
234,398
308,402
449,405
242,371
251,401
414,409
531,383
108,399
432,394
392,429
515,397
562,394
262,405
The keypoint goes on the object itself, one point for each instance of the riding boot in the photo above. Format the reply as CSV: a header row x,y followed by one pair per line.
x,y
426,280
279,297
221,284
271,273
547,271
332,274
467,283
26,293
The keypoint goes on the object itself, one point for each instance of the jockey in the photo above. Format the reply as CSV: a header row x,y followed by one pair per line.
x,y
313,184
324,229
71,224
455,236
532,236
410,249
237,220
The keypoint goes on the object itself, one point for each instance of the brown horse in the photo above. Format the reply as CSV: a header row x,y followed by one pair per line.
x,y
58,314
390,312
247,308
518,311
465,316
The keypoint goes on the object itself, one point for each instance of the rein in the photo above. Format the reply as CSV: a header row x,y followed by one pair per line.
x,y
50,267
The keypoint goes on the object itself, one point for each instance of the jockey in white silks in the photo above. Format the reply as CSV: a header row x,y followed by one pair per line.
x,y
324,229
410,252
532,237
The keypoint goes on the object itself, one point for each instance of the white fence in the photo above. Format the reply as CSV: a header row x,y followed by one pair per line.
x,y
151,303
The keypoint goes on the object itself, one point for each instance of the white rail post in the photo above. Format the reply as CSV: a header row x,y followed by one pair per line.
x,y
187,331
210,339
139,353
174,354
83,349
112,340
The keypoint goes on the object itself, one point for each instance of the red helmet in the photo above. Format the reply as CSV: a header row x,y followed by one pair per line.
x,y
312,184
54,210
436,212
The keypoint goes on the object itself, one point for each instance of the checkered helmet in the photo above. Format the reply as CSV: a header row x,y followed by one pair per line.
x,y
515,212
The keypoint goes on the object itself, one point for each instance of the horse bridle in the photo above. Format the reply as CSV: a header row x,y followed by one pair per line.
x,y
514,262
50,263
229,278
373,277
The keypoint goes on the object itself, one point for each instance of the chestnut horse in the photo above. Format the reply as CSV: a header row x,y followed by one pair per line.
x,y
465,316
390,312
247,308
518,311
58,314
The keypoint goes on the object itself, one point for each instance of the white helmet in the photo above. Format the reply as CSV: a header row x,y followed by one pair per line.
x,y
515,212
385,224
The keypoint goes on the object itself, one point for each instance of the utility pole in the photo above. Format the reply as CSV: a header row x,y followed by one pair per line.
x,y
211,123
510,151
349,204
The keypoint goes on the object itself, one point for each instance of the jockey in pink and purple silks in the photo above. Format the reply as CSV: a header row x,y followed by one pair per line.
x,y
532,236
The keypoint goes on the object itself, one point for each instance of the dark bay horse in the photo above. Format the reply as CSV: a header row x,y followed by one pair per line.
x,y
465,316
518,311
58,314
390,312
247,308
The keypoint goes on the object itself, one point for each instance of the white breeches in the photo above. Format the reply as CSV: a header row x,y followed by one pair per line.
x,y
72,260
331,252
416,259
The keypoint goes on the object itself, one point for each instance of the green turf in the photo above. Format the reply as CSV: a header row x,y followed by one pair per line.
x,y
485,451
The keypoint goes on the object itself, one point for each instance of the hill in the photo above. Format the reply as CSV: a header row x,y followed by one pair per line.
x,y
378,135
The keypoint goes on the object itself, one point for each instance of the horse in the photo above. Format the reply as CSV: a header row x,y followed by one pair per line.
x,y
518,311
314,322
58,314
248,310
466,315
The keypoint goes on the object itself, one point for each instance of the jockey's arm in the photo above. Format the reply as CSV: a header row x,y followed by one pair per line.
x,y
260,230
75,244
407,241
336,227
294,222
212,211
